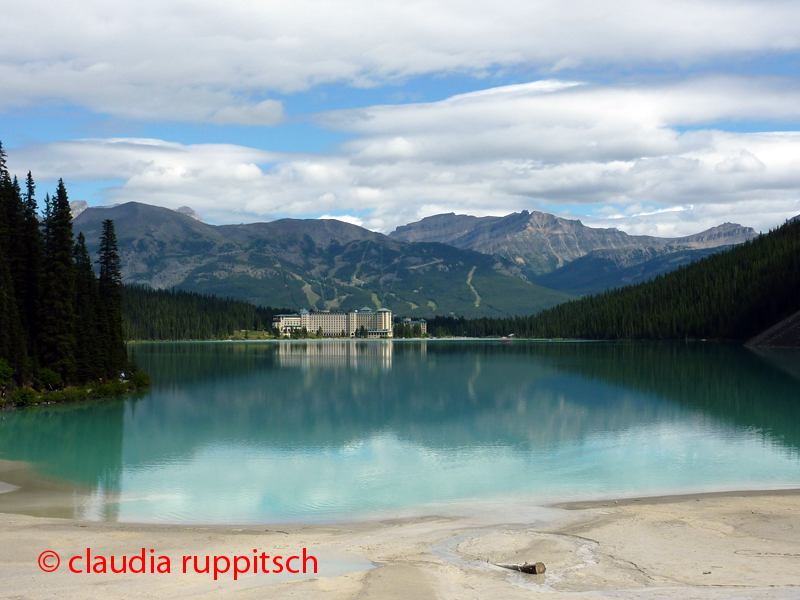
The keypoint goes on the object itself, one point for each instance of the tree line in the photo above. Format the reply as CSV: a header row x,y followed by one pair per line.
x,y
733,295
402,330
172,314
60,323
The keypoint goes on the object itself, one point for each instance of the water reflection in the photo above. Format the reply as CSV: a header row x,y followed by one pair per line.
x,y
337,354
264,431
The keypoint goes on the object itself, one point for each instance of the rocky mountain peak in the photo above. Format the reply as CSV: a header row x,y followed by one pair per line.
x,y
190,212
77,207
721,235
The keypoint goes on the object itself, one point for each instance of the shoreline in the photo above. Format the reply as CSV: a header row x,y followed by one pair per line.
x,y
77,394
731,544
671,498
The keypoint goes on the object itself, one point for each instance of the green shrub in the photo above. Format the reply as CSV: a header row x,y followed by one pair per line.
x,y
141,379
66,395
106,390
49,379
25,396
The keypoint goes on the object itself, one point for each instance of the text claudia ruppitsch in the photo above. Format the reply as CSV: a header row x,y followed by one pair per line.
x,y
149,562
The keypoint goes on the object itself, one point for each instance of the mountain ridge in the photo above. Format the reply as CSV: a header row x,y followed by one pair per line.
x,y
312,263
419,269
540,242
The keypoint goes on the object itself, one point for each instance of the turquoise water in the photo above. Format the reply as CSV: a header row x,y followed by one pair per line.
x,y
296,431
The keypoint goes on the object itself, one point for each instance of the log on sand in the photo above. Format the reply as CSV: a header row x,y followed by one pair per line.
x,y
532,568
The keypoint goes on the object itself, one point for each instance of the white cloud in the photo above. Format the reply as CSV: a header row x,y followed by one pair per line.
x,y
599,150
345,218
217,62
746,162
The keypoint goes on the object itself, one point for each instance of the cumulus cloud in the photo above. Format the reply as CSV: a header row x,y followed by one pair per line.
x,y
217,62
746,162
613,151
345,218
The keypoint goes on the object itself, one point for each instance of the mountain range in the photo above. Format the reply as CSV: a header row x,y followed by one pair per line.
x,y
540,243
445,264
319,264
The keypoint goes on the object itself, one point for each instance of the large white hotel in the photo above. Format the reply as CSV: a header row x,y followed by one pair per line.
x,y
378,324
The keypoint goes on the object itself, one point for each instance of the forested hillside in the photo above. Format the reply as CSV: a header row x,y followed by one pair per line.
x,y
603,270
732,296
178,315
59,323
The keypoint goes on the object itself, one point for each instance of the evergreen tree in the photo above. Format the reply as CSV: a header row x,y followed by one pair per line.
x,y
179,315
56,322
57,338
110,291
12,338
32,244
12,333
89,361
15,251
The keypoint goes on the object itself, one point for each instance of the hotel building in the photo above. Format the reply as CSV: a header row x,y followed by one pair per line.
x,y
378,324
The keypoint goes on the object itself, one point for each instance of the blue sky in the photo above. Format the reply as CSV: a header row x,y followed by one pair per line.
x,y
660,117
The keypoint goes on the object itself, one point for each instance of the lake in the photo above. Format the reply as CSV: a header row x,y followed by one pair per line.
x,y
338,430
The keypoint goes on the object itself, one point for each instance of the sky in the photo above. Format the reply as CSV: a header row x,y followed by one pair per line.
x,y
660,117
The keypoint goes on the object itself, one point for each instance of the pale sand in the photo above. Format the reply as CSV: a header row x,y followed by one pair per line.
x,y
734,545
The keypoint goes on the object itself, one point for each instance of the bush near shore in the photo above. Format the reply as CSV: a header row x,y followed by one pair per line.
x,y
27,396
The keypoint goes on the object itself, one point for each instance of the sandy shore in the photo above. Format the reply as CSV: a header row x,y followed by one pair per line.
x,y
732,545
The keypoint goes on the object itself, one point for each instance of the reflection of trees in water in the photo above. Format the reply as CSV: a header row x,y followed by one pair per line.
x,y
79,443
730,382
172,363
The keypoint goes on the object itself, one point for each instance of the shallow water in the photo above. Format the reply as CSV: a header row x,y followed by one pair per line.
x,y
295,431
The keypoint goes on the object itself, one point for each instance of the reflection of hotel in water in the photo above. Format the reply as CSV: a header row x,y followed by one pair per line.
x,y
377,324
336,353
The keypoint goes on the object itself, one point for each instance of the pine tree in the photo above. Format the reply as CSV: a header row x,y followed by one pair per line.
x,y
32,245
12,334
110,291
57,338
88,358
12,338
15,250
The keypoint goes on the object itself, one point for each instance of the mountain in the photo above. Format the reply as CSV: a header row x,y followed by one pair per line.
x,y
540,243
322,264
601,270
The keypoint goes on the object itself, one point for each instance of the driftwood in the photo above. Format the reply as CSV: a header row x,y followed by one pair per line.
x,y
532,568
